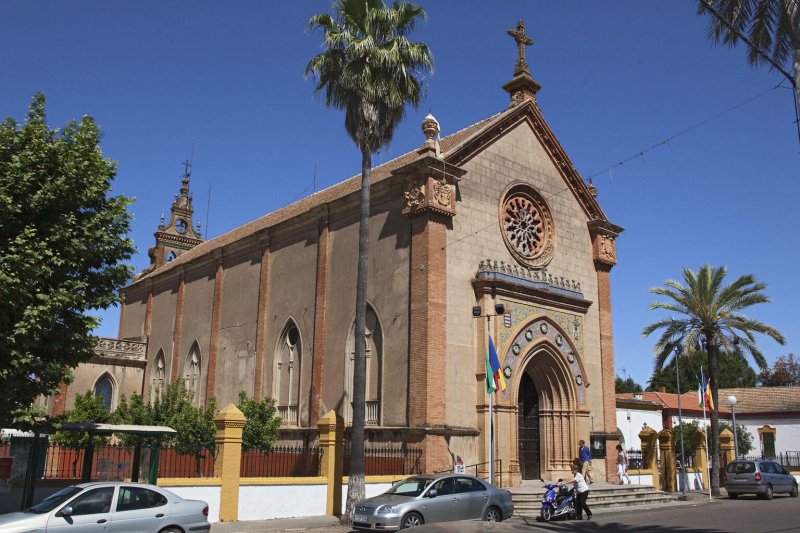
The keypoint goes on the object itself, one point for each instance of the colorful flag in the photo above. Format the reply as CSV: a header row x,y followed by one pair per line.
x,y
701,388
499,380
490,384
709,398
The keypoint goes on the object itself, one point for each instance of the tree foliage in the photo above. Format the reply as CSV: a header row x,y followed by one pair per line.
x,y
88,407
784,372
689,429
734,371
261,429
626,385
63,243
744,438
708,313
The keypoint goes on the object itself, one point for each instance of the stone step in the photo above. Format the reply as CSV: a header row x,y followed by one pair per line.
x,y
527,500
605,502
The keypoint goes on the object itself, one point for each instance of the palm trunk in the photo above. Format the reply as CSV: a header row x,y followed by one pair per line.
x,y
796,72
714,374
355,485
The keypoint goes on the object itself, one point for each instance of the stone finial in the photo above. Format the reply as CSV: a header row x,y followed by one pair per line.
x,y
592,189
430,127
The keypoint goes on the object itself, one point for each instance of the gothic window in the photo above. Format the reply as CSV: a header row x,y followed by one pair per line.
x,y
374,370
104,388
527,226
158,376
288,366
191,373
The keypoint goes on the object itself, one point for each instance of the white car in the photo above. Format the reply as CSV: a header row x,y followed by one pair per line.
x,y
113,506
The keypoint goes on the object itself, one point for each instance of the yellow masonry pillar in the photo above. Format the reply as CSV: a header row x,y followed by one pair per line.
x,y
666,443
331,440
726,447
649,439
227,463
700,458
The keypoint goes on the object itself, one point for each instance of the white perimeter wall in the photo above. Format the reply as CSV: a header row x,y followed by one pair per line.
x,y
210,495
630,430
264,502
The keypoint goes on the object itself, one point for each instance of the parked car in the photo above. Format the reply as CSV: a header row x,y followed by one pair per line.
x,y
432,498
120,507
758,476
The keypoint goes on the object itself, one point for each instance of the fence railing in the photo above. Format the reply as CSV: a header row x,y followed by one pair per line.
x,y
634,459
388,460
790,460
281,461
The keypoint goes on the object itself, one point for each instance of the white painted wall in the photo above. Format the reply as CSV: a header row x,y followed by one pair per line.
x,y
264,502
210,495
371,489
630,430
787,435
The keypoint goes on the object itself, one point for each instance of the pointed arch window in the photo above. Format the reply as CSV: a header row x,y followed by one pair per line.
x,y
374,370
158,376
288,366
191,372
104,388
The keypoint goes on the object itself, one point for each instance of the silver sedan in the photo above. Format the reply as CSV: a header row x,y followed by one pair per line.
x,y
114,507
432,498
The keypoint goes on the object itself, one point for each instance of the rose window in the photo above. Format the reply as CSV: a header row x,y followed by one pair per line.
x,y
527,226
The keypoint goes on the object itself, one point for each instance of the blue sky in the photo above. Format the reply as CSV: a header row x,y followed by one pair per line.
x,y
224,80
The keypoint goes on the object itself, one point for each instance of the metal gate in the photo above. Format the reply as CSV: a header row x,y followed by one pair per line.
x,y
528,425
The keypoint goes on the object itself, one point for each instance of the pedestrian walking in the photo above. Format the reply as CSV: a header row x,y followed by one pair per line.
x,y
585,455
622,465
581,493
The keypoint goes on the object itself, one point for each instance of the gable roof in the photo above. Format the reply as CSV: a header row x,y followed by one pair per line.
x,y
455,149
749,400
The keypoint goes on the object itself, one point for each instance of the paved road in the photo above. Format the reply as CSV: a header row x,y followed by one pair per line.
x,y
745,515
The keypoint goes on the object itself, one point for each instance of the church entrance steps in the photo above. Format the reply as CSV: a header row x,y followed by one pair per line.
x,y
528,498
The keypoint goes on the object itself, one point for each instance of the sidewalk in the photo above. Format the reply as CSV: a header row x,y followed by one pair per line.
x,y
307,524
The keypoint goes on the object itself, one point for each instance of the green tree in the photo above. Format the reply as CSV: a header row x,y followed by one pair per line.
x,y
88,407
743,437
784,372
770,28
63,241
261,428
370,70
709,311
734,371
689,429
626,385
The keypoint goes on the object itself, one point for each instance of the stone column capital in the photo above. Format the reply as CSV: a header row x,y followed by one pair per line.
x,y
604,246
429,186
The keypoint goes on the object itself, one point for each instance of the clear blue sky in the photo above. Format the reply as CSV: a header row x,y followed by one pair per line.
x,y
225,79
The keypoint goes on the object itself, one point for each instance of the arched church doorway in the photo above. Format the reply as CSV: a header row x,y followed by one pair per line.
x,y
528,424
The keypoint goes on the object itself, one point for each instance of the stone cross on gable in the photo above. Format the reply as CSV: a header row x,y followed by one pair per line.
x,y
522,41
186,166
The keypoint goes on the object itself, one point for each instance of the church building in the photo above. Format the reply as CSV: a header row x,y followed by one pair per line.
x,y
492,214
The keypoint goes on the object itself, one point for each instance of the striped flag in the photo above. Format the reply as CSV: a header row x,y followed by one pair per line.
x,y
493,371
709,398
701,388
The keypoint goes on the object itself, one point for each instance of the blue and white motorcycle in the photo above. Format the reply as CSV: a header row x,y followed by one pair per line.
x,y
558,501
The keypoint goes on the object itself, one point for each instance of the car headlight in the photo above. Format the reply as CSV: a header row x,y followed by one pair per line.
x,y
386,509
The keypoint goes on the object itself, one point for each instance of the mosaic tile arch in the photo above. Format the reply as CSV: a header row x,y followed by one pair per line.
x,y
526,338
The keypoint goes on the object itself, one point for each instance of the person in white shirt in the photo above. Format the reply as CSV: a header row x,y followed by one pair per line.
x,y
581,493
622,465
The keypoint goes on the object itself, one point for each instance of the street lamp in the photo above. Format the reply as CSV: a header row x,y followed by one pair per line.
x,y
499,309
732,403
678,351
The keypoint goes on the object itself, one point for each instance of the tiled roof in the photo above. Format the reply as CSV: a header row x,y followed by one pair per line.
x,y
334,192
749,400
763,399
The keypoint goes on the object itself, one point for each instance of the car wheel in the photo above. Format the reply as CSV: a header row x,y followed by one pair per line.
x,y
768,493
493,514
547,513
793,494
733,495
171,530
411,520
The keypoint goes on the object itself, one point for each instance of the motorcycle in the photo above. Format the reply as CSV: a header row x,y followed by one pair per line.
x,y
558,501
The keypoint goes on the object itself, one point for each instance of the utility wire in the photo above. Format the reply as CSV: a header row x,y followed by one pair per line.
x,y
685,131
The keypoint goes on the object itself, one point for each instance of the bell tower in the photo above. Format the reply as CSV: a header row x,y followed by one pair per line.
x,y
179,234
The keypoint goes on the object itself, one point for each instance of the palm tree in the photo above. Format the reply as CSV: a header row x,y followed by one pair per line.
x,y
710,314
370,70
771,29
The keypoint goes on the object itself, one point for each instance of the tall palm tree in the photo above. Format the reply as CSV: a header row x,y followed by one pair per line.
x,y
772,28
370,70
710,313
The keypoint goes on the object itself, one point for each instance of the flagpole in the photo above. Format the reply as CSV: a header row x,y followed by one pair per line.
x,y
705,432
492,372
491,406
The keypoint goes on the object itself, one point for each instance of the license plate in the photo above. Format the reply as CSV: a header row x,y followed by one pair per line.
x,y
360,518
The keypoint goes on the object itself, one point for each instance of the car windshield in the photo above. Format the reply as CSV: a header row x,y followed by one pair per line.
x,y
741,468
54,500
413,486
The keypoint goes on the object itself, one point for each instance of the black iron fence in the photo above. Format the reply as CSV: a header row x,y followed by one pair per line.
x,y
387,460
634,459
281,461
789,460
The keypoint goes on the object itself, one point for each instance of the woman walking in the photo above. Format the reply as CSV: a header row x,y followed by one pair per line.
x,y
622,465
581,493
